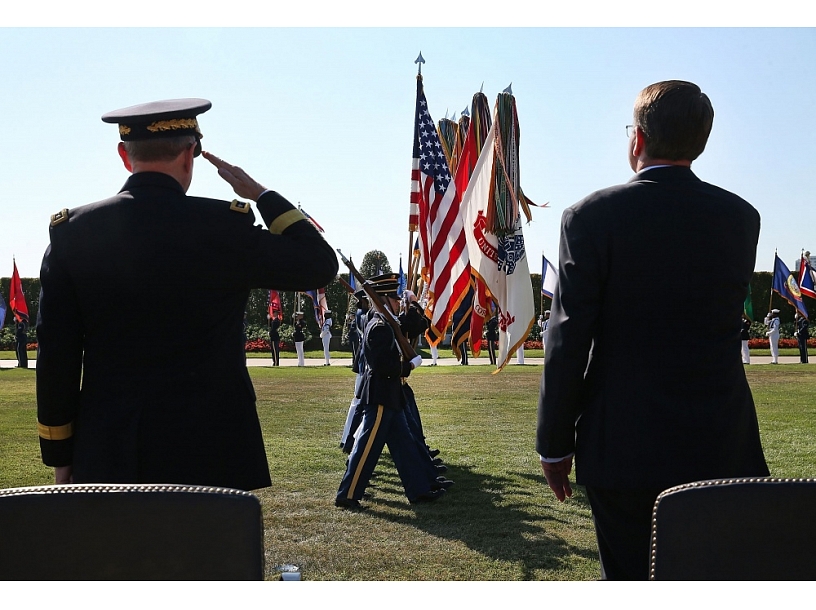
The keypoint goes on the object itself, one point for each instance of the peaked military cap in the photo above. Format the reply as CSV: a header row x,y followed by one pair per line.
x,y
386,284
162,119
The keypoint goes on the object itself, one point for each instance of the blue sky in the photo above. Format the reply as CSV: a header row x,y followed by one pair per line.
x,y
325,117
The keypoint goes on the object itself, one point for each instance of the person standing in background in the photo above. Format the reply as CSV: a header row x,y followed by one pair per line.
x,y
802,335
772,322
299,336
325,336
745,336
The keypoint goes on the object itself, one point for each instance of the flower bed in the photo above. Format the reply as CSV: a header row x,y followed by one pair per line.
x,y
765,343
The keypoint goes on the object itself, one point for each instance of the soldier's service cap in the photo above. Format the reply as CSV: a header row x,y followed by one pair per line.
x,y
386,284
162,119
361,294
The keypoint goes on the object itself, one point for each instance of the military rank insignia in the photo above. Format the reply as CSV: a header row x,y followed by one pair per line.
x,y
59,217
239,206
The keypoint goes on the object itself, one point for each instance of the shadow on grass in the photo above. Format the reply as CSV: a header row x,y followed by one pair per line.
x,y
496,516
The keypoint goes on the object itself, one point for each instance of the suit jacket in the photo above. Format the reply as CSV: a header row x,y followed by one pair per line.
x,y
635,414
141,373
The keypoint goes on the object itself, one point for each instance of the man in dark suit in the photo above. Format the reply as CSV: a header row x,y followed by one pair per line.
x,y
162,398
636,418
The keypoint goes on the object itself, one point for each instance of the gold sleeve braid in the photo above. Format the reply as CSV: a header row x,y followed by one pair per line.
x,y
55,433
285,220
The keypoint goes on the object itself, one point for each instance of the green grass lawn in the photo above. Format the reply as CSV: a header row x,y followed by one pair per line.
x,y
499,522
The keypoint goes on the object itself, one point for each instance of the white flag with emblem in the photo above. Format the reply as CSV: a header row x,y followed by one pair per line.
x,y
500,262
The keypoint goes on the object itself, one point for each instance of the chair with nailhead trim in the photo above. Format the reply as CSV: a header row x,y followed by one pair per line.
x,y
735,529
130,532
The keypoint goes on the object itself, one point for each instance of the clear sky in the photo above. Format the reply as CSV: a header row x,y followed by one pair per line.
x,y
325,116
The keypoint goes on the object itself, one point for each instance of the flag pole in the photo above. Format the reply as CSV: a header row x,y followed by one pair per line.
x,y
409,280
770,300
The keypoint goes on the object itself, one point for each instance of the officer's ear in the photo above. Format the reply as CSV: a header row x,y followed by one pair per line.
x,y
124,156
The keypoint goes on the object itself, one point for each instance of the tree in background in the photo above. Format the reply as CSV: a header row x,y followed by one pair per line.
x,y
374,263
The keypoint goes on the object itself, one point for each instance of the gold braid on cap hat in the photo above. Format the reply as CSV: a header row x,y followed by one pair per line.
x,y
173,124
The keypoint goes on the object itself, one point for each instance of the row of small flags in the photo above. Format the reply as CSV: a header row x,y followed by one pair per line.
x,y
17,300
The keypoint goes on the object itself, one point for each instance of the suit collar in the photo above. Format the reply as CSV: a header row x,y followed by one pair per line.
x,y
143,179
664,173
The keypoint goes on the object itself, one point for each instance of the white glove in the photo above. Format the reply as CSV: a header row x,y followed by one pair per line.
x,y
409,296
416,361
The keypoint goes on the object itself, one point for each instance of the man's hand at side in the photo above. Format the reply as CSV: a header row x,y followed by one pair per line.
x,y
557,475
241,182
63,475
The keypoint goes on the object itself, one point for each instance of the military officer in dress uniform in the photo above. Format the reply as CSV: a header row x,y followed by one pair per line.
x,y
772,322
802,335
117,407
299,336
325,336
274,337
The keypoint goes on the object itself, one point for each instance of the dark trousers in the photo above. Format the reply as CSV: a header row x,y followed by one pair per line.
x,y
274,344
491,350
803,355
381,426
623,526
22,354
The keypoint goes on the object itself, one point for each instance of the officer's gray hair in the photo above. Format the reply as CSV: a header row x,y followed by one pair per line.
x,y
159,149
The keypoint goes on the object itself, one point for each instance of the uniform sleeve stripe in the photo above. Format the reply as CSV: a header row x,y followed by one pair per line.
x,y
285,220
55,433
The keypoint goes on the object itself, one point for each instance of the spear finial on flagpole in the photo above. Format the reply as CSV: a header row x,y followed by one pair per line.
x,y
466,112
419,61
509,89
481,89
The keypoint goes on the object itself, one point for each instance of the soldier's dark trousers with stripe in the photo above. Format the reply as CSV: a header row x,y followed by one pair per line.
x,y
384,426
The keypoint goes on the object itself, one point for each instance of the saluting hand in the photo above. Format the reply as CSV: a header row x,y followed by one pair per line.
x,y
241,182
557,475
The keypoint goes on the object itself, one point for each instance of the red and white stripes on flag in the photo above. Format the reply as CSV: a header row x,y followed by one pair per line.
x,y
443,245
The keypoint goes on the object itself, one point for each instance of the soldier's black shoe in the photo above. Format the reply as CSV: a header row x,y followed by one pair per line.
x,y
434,452
429,496
441,468
348,504
441,483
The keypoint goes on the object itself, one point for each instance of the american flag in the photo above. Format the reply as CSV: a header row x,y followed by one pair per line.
x,y
310,219
435,208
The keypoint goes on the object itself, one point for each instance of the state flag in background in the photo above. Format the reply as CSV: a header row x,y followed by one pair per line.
x,y
785,285
402,281
549,277
806,284
17,300
2,311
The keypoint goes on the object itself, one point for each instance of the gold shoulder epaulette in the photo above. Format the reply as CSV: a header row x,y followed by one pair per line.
x,y
59,217
239,206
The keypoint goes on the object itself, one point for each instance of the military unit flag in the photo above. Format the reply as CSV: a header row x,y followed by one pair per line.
x,y
785,285
17,300
501,262
275,309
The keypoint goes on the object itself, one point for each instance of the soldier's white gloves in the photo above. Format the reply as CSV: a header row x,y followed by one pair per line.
x,y
416,361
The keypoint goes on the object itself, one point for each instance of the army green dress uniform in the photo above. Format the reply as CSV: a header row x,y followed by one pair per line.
x,y
141,373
